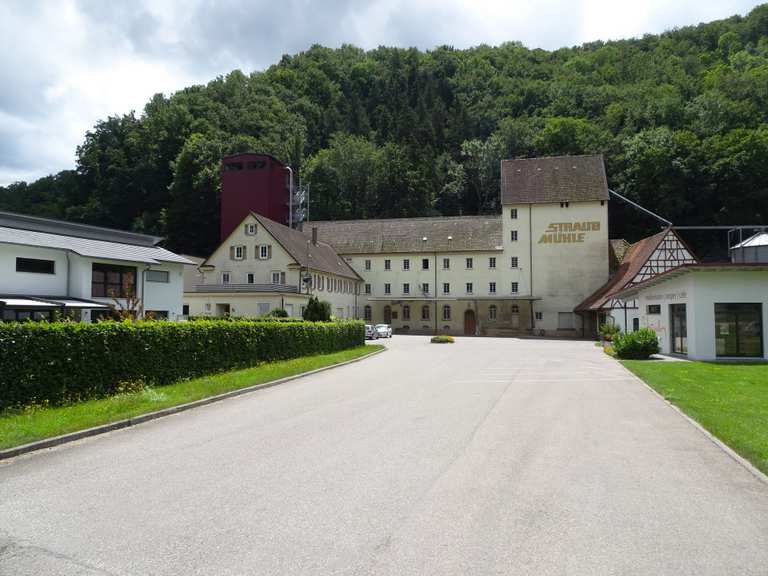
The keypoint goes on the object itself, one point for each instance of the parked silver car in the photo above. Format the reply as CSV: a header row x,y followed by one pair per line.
x,y
370,332
384,330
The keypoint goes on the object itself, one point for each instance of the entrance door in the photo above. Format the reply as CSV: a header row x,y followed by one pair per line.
x,y
679,328
469,323
514,321
387,315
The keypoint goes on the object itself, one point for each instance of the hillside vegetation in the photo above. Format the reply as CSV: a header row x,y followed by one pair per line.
x,y
681,118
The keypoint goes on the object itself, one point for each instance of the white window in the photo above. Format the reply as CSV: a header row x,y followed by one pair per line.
x,y
367,288
539,316
446,288
158,276
275,277
289,309
406,288
406,264
513,213
492,287
387,288
225,277
262,308
492,312
265,251
368,314
207,306
514,262
425,288
515,309
470,263
425,312
515,287
387,264
250,229
425,263
492,262
446,312
251,278
446,263
238,253
367,264
469,287
513,236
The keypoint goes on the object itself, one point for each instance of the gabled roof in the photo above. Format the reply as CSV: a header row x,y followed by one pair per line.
x,y
404,235
108,250
320,256
553,179
634,259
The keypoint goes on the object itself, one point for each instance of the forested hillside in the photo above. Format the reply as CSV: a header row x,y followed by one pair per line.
x,y
681,118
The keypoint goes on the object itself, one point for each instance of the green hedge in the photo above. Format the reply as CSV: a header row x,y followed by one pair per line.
x,y
66,362
638,345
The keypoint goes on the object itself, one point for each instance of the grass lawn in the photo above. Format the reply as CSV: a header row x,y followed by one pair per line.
x,y
38,423
729,400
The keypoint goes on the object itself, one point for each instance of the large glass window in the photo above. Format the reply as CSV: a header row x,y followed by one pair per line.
x,y
35,266
739,330
110,281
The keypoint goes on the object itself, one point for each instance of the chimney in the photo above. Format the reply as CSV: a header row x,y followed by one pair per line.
x,y
314,235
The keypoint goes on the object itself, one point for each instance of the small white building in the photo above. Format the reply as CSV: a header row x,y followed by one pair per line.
x,y
50,266
706,311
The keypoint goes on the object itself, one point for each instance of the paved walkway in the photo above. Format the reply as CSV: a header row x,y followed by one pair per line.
x,y
489,456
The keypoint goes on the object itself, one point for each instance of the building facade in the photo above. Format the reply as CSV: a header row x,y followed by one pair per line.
x,y
263,265
706,312
50,267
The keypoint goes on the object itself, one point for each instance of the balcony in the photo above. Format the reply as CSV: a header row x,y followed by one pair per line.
x,y
258,288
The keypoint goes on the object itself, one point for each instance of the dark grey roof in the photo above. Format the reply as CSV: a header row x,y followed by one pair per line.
x,y
111,250
553,179
399,235
75,230
321,256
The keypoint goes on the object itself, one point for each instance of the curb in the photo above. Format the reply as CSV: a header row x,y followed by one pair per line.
x,y
762,477
104,428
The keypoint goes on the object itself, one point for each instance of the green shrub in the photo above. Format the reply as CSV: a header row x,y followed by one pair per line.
x,y
442,339
277,313
609,331
317,311
65,362
638,345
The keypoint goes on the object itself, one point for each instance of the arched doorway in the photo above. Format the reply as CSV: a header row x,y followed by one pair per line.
x,y
470,324
387,315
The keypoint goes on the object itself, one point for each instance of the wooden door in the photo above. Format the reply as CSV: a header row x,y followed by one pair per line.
x,y
470,324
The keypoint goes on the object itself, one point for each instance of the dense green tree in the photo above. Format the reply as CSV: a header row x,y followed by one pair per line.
x,y
681,118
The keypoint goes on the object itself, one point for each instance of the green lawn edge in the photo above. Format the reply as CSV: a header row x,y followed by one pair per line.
x,y
729,400
39,423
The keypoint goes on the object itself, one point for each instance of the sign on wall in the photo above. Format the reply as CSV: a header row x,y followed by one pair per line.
x,y
568,232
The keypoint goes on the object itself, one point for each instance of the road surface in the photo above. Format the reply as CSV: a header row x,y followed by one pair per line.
x,y
488,456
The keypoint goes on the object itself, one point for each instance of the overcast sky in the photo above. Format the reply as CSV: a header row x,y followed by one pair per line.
x,y
64,64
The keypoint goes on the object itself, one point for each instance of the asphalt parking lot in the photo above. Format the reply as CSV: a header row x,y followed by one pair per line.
x,y
488,456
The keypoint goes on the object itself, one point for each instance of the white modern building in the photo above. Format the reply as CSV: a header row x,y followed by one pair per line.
x,y
50,267
706,311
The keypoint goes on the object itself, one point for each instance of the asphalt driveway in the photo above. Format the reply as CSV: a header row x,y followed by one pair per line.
x,y
489,456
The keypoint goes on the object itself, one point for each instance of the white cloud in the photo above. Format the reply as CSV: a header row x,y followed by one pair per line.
x,y
67,64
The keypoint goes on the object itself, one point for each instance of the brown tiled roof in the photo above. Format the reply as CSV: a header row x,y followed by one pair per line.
x,y
321,256
636,255
553,179
401,235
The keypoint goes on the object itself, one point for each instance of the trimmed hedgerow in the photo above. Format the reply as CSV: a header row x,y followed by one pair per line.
x,y
638,345
66,362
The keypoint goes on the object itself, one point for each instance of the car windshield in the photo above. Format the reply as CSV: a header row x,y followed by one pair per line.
x,y
382,326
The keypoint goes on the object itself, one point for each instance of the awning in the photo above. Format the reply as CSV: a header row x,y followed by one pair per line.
x,y
27,303
49,303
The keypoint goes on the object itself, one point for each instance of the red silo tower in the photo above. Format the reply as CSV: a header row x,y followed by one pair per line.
x,y
253,182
